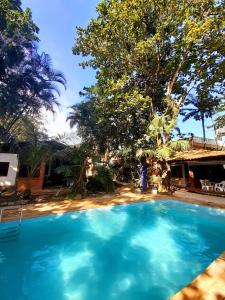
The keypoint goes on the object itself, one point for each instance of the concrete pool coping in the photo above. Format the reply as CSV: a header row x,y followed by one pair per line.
x,y
210,285
125,196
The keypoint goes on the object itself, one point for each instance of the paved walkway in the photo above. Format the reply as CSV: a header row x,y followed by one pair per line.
x,y
56,207
212,201
123,196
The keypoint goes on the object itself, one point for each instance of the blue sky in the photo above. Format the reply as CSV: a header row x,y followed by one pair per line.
x,y
57,20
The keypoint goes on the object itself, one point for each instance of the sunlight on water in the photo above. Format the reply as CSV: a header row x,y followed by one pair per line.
x,y
160,244
69,265
106,224
140,251
77,295
2,258
124,282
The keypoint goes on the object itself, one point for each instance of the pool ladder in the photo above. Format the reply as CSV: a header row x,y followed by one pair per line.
x,y
9,231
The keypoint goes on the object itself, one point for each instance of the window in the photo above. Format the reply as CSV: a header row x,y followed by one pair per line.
x,y
4,168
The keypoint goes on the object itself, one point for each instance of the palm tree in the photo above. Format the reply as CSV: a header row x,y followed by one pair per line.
x,y
33,149
74,161
201,109
161,148
34,85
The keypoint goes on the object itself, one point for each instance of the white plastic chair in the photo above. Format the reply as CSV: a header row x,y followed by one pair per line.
x,y
207,185
220,187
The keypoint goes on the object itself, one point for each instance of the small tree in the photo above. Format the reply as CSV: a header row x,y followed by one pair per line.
x,y
32,150
73,166
162,148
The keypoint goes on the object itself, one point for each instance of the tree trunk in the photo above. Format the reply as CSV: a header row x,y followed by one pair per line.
x,y
215,133
203,128
79,184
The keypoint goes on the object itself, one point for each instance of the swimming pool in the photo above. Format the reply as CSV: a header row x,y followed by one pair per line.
x,y
141,251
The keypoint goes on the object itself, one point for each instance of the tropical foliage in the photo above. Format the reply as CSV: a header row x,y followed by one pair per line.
x,y
102,181
28,82
162,148
73,166
33,150
149,58
199,110
220,120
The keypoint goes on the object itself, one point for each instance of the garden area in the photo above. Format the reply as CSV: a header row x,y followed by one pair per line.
x,y
112,119
154,64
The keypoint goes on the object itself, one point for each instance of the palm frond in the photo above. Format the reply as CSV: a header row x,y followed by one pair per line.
x,y
144,153
181,145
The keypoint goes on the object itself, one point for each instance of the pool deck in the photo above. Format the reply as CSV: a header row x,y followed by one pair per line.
x,y
210,285
123,196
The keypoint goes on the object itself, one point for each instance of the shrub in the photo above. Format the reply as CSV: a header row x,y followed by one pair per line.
x,y
102,181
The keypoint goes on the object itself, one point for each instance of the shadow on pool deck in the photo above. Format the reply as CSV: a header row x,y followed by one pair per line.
x,y
123,196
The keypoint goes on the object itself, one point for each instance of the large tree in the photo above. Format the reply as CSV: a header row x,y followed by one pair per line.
x,y
28,81
33,86
17,34
149,56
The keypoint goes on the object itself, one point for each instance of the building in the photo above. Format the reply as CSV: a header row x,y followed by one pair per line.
x,y
14,173
8,170
199,170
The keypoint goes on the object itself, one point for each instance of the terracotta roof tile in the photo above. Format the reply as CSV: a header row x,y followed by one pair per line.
x,y
197,154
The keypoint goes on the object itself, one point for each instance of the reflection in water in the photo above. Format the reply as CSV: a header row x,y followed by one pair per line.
x,y
106,224
70,265
139,251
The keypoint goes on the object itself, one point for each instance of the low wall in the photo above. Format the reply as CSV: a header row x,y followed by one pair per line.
x,y
10,179
35,183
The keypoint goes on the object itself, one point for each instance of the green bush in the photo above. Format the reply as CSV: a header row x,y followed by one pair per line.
x,y
102,181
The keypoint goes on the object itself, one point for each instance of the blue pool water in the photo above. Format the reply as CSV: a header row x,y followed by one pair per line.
x,y
132,252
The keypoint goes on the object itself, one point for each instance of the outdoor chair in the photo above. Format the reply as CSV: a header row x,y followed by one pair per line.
x,y
220,187
207,185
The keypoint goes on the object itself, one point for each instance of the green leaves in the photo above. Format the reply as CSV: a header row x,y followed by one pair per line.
x,y
28,82
13,18
150,56
159,49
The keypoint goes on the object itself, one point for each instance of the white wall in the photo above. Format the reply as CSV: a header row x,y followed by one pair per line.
x,y
10,179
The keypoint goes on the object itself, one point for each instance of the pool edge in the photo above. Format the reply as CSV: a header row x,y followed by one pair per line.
x,y
210,284
31,211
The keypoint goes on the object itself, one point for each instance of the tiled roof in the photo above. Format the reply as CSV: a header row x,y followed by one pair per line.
x,y
197,154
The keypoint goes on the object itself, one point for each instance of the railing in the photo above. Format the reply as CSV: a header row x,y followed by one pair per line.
x,y
200,140
9,231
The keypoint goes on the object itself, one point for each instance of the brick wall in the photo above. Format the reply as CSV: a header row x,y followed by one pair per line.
x,y
36,183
